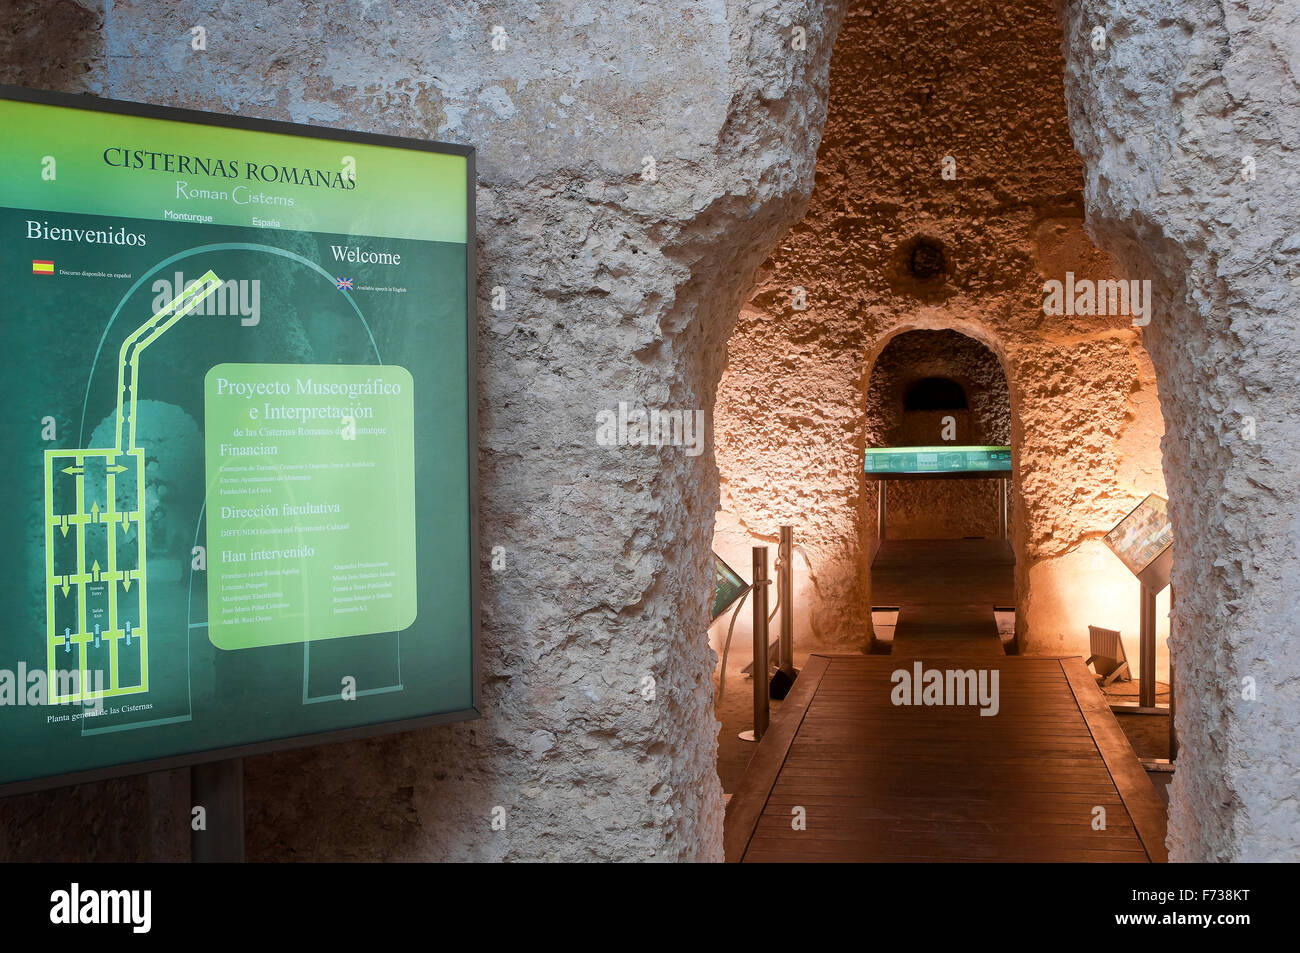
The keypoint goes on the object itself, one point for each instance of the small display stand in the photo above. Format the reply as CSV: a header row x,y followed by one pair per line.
x,y
936,463
1143,541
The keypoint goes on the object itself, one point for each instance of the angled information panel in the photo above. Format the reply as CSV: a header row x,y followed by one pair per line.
x,y
946,461
1143,541
241,437
727,586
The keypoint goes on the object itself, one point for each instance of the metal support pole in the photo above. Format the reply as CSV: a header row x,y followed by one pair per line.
x,y
1147,650
761,704
785,580
1003,481
880,508
218,788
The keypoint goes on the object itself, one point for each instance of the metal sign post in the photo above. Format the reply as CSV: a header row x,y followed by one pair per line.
x,y
218,788
1147,649
881,509
785,579
1004,509
761,704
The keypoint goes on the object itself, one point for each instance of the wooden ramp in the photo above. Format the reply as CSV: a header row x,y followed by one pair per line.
x,y
945,591
959,631
943,572
885,782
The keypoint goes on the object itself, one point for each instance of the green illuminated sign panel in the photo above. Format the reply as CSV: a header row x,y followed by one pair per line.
x,y
951,460
727,586
241,434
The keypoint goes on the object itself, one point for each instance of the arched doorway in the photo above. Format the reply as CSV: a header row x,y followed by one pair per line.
x,y
937,237
941,531
936,388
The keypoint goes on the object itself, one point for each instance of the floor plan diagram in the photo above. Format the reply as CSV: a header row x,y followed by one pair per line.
x,y
95,588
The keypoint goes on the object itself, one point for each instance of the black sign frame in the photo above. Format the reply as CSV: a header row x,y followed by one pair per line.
x,y
169,113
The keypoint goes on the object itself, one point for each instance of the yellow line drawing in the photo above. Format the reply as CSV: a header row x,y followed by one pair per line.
x,y
82,601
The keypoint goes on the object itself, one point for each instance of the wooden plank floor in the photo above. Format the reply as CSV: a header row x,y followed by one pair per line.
x,y
943,572
948,631
885,782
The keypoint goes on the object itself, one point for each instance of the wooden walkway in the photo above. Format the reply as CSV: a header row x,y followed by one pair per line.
x,y
945,591
930,631
943,572
885,782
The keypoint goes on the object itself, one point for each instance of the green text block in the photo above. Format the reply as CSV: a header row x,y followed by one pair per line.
x,y
311,502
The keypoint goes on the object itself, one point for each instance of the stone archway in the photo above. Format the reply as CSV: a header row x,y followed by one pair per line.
x,y
1173,188
892,242
974,407
896,238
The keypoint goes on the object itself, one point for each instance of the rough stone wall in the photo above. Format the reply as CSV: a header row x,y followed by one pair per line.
x,y
54,44
938,509
981,82
1165,117
619,288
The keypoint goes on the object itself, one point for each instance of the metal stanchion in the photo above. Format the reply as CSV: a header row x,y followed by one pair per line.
x,y
1147,649
881,507
1004,527
218,787
761,707
786,673
785,579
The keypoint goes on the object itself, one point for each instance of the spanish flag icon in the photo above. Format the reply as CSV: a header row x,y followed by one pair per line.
x,y
42,267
